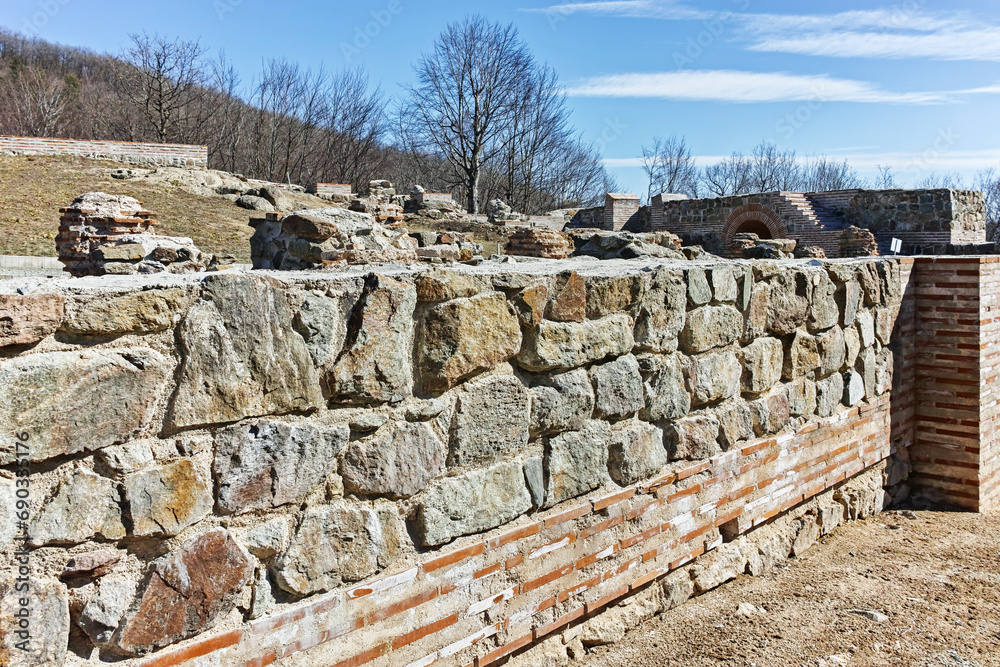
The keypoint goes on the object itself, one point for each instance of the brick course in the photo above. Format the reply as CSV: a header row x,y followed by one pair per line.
x,y
171,155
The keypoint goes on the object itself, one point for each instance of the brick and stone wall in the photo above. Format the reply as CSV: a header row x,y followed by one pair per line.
x,y
339,190
620,210
413,467
171,155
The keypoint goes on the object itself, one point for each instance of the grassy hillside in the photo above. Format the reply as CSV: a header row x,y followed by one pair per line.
x,y
33,188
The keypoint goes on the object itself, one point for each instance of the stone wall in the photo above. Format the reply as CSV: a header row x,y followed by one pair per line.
x,y
170,155
435,467
620,211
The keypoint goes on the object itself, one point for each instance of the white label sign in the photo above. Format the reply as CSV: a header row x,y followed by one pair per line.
x,y
897,245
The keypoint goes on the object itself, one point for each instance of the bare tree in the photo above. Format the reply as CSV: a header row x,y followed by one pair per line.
x,y
822,174
38,101
935,181
165,81
885,180
669,167
465,99
988,182
729,177
773,169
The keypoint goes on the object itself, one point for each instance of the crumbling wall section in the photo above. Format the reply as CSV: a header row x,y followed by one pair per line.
x,y
401,467
168,155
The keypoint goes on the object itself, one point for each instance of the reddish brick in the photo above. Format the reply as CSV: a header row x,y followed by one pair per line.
x,y
366,657
547,578
196,650
504,651
400,607
420,633
608,501
515,535
561,622
569,515
454,557
602,602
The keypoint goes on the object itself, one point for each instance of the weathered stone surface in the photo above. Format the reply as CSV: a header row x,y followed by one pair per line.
x,y
322,321
788,305
568,302
436,286
848,298
802,398
808,534
662,312
47,636
397,461
709,327
607,295
724,284
866,328
166,499
463,337
770,412
267,464
576,462
715,376
563,402
8,509
677,589
137,312
852,344
832,350
884,322
824,311
725,563
667,395
534,477
334,544
27,319
762,363
84,506
829,394
103,613
693,438
755,324
472,503
241,356
854,388
52,397
375,365
868,367
568,345
636,452
802,358
92,564
185,593
735,423
618,388
699,292
492,416
269,539
610,626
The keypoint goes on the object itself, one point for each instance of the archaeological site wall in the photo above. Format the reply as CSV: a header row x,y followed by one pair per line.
x,y
394,466
170,155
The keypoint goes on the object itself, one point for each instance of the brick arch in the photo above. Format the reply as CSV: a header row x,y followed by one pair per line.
x,y
758,212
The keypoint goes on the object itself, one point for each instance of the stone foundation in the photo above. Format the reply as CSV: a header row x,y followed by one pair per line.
x,y
399,466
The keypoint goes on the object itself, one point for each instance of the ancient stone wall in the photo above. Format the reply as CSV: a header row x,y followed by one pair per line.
x,y
411,467
170,155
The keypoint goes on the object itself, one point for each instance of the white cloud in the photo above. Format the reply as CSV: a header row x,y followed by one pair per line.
x,y
638,9
959,45
743,87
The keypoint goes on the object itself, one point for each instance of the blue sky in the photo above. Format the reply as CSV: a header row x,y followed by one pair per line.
x,y
913,84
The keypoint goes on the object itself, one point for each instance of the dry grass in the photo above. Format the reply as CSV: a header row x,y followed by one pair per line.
x,y
33,188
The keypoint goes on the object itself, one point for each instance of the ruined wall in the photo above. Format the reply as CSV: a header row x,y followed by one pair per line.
x,y
927,221
416,468
170,155
703,221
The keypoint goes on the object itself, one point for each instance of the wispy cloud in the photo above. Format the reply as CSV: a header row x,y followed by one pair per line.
x,y
897,32
743,87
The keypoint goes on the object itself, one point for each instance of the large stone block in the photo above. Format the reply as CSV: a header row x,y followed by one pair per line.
x,y
802,398
755,323
103,613
618,388
699,292
667,395
788,304
802,358
762,364
636,452
770,412
69,402
46,636
185,593
27,319
576,462
735,423
662,312
322,319
135,312
166,499
824,311
84,506
715,376
829,394
607,295
492,417
241,356
334,544
866,328
375,365
832,350
472,503
723,281
437,286
397,461
568,300
268,464
568,345
562,402
709,327
693,438
725,563
463,337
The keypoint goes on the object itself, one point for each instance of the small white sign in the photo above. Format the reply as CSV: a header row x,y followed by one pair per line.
x,y
897,245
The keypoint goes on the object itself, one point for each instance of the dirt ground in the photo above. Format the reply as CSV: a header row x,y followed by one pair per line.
x,y
935,575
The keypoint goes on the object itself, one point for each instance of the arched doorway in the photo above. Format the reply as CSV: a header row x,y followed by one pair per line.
x,y
757,219
757,227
